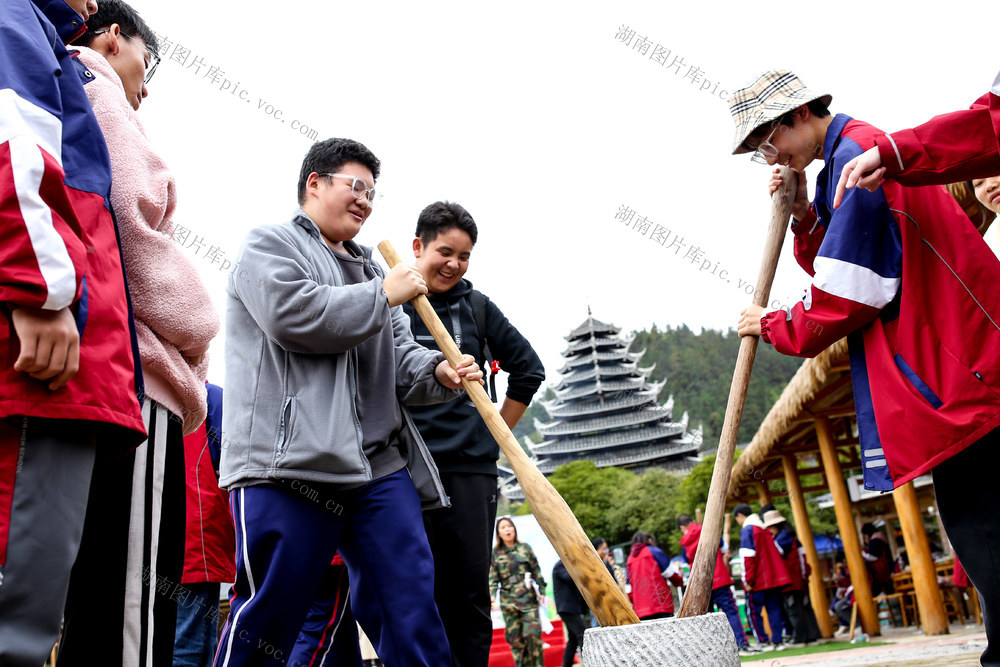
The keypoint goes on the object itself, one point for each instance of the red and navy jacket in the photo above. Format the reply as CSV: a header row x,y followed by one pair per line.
x,y
689,541
901,273
957,146
793,554
649,593
210,539
59,243
763,567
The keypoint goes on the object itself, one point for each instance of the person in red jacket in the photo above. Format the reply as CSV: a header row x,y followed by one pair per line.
x,y
722,594
764,577
70,377
210,542
912,285
957,146
795,598
648,566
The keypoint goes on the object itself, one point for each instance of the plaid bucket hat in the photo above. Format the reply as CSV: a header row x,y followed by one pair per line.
x,y
773,94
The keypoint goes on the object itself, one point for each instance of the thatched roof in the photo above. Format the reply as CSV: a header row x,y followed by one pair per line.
x,y
811,377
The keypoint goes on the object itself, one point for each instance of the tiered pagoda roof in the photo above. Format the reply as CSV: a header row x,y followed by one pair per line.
x,y
606,410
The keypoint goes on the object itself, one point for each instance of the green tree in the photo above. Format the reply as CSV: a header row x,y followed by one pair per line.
x,y
647,504
699,367
591,492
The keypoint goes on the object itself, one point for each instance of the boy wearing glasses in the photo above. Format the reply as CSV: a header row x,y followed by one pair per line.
x,y
133,611
69,379
320,454
901,273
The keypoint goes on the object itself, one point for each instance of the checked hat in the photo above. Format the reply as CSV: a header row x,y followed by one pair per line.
x,y
772,95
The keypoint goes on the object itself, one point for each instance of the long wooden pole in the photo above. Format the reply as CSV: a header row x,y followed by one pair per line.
x,y
933,618
817,593
700,584
588,571
848,530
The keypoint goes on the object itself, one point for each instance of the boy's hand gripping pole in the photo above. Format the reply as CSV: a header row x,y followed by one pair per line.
x,y
700,584
588,571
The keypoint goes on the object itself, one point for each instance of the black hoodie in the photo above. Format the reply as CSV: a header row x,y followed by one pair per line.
x,y
454,432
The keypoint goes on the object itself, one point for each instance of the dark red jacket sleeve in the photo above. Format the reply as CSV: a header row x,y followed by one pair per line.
x,y
808,233
957,146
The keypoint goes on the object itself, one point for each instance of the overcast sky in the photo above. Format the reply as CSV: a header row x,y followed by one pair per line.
x,y
544,125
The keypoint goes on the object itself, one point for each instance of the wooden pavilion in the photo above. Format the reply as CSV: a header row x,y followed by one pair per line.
x,y
812,430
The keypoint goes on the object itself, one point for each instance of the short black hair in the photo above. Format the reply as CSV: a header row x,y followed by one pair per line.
x,y
816,108
787,119
598,541
329,155
743,509
868,529
640,537
110,12
442,216
683,520
768,507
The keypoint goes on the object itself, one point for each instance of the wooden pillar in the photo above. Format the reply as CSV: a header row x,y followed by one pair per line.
x,y
933,618
848,531
764,495
817,593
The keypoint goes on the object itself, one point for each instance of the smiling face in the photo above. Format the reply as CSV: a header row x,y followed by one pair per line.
x,y
444,260
331,203
796,148
988,192
798,144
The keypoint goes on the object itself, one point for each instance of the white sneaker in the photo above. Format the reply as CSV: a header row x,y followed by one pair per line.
x,y
749,651
842,630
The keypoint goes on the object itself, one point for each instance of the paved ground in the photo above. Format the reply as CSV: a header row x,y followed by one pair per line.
x,y
960,648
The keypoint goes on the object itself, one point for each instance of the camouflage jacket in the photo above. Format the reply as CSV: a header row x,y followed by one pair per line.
x,y
507,571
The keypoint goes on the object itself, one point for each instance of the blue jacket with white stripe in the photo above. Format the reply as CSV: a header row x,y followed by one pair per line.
x,y
59,244
904,275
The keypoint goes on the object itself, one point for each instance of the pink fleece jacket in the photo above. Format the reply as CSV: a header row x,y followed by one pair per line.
x,y
174,317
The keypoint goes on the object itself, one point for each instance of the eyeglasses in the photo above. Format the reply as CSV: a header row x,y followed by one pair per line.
x,y
359,188
152,61
765,149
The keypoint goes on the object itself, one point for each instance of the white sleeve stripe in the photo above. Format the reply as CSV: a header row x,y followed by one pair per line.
x,y
996,85
747,553
54,262
21,118
854,282
899,158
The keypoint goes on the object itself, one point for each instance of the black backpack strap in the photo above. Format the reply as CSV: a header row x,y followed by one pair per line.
x,y
478,302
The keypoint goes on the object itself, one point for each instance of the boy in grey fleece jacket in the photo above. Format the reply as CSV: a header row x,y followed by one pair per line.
x,y
320,454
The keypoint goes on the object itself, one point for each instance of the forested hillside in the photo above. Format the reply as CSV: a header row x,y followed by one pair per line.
x,y
699,367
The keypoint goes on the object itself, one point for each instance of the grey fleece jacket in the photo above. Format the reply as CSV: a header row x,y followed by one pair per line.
x,y
292,327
